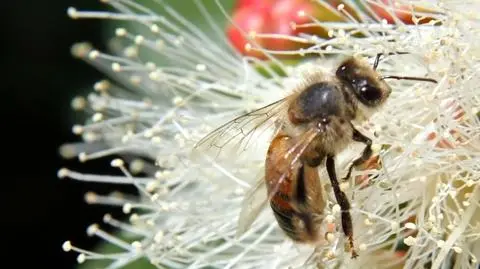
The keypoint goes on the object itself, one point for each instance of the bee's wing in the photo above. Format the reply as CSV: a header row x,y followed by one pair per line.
x,y
239,132
252,205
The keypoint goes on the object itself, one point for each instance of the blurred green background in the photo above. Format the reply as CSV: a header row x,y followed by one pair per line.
x,y
39,79
187,9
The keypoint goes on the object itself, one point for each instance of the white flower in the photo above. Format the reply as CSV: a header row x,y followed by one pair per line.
x,y
422,195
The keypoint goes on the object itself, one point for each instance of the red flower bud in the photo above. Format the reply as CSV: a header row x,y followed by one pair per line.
x,y
275,17
246,3
248,20
285,16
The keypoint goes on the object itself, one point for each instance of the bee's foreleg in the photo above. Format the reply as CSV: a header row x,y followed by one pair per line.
x,y
366,153
377,58
342,200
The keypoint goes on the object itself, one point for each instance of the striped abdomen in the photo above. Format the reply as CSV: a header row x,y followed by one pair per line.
x,y
297,201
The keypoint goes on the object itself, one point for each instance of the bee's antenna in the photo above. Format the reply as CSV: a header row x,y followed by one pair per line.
x,y
377,58
409,78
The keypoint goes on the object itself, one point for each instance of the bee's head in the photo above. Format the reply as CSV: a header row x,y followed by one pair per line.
x,y
370,89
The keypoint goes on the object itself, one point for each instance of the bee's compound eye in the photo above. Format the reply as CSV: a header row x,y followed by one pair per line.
x,y
370,94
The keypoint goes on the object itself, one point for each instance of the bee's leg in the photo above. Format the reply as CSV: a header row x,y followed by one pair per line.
x,y
377,58
366,154
377,61
342,200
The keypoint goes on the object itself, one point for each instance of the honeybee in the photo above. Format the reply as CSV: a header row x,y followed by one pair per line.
x,y
313,125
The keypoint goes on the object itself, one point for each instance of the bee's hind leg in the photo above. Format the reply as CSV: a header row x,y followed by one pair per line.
x,y
344,204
